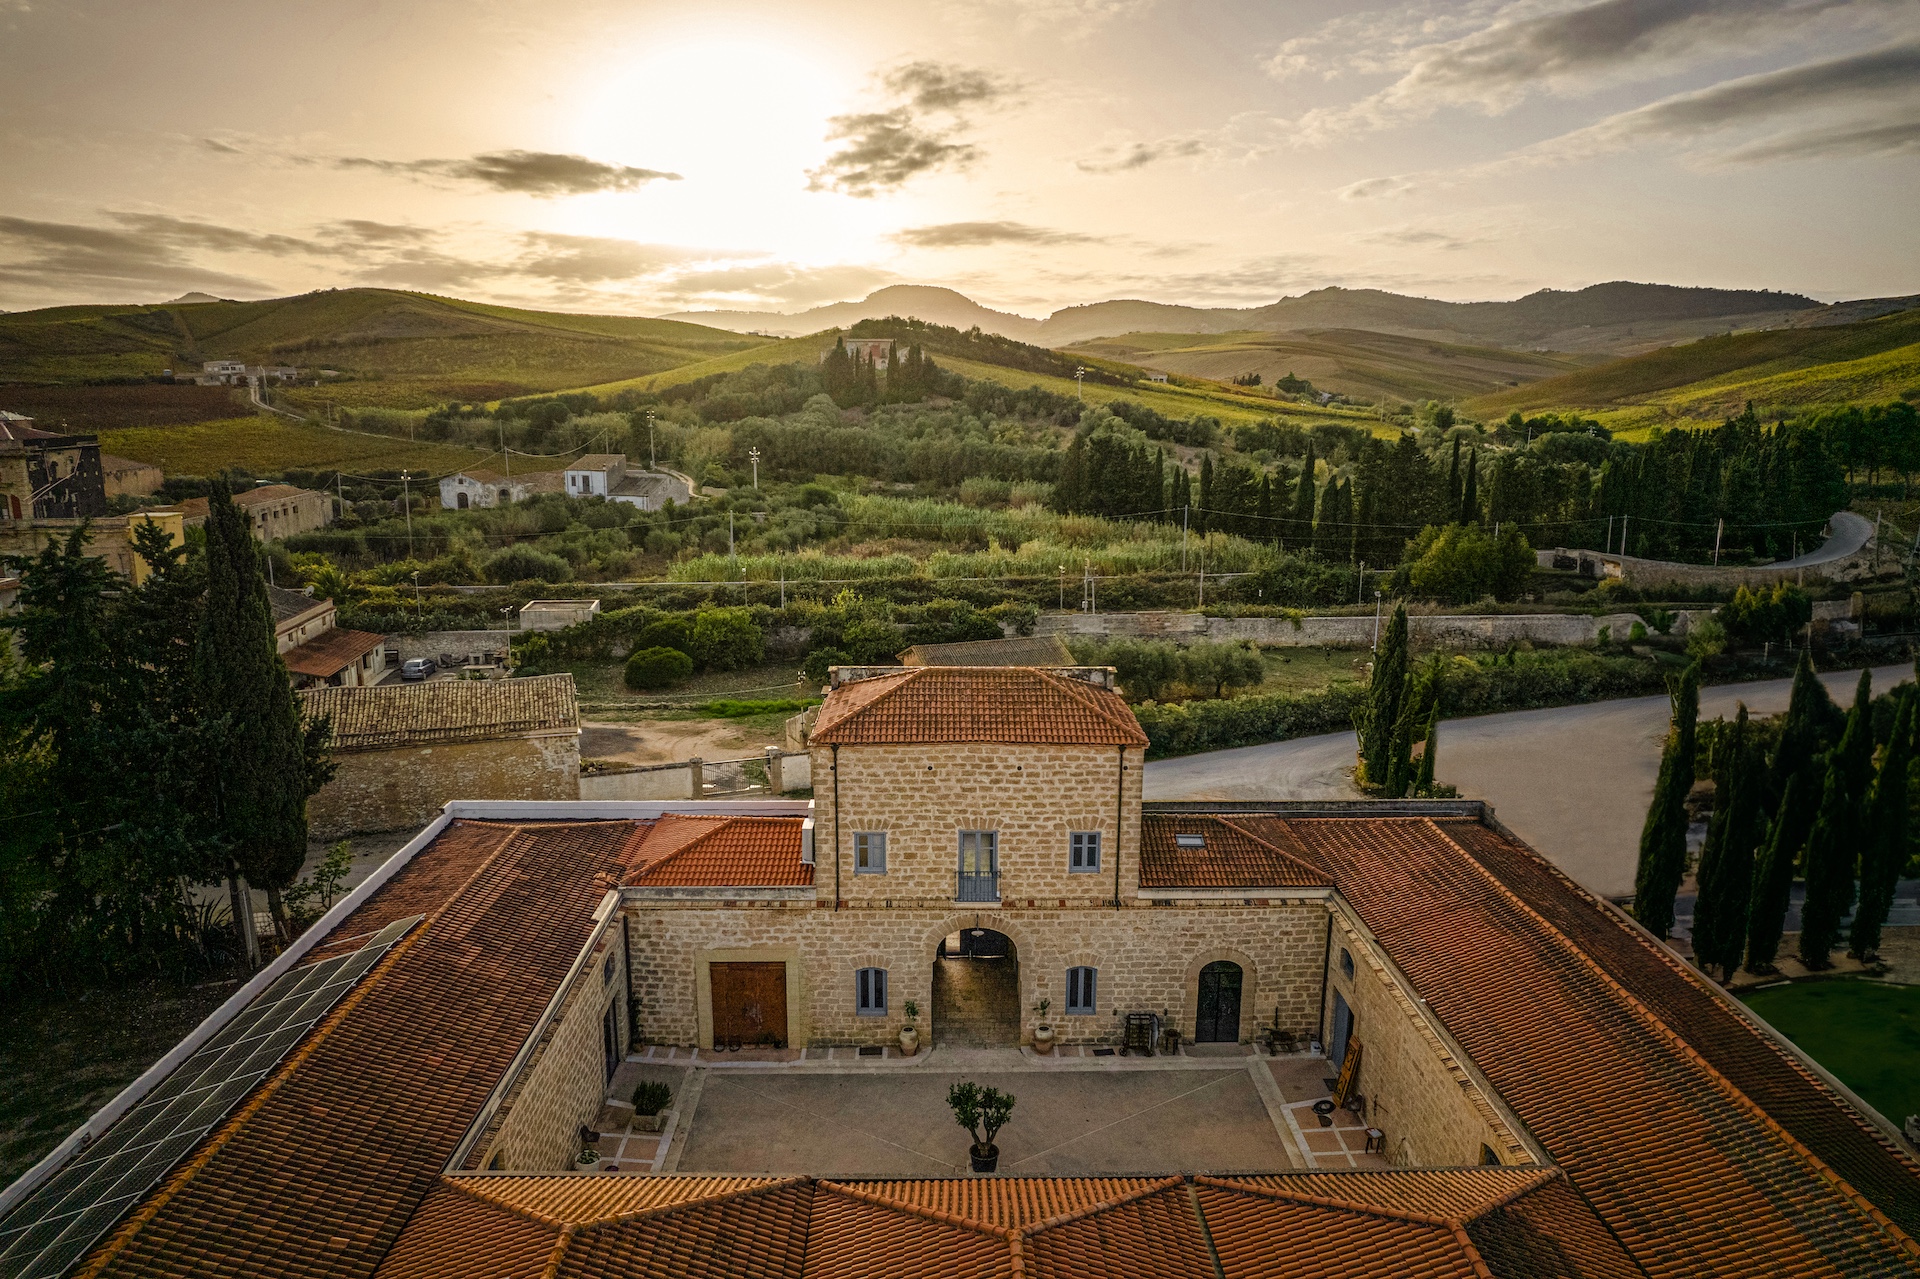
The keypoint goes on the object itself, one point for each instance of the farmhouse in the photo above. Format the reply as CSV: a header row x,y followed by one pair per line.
x,y
45,475
606,475
1546,1090
274,511
868,350
316,650
484,488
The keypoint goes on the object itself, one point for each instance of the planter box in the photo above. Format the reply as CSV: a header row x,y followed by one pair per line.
x,y
652,1123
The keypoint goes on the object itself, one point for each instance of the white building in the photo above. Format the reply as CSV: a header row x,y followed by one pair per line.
x,y
606,475
465,489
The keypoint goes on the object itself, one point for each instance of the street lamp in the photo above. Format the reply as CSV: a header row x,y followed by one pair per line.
x,y
753,456
419,610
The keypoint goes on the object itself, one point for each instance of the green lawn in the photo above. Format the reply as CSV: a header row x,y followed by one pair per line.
x,y
1866,1032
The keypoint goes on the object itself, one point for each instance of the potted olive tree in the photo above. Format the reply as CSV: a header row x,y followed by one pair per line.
x,y
650,1100
910,1033
983,1112
1043,1030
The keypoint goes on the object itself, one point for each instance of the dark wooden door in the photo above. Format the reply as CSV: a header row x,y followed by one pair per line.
x,y
749,1004
610,1038
1218,1021
1342,1030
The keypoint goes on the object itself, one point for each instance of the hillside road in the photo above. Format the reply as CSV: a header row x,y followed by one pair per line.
x,y
1573,781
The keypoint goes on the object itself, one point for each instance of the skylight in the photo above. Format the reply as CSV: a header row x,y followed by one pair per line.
x,y
1190,841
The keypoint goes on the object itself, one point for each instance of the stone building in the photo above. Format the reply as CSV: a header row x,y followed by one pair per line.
x,y
48,475
402,751
273,511
110,536
607,475
1550,1090
307,633
485,488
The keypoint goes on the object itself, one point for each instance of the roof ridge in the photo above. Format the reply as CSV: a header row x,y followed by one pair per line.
x,y
1153,1187
1323,1201
519,1210
558,1254
1520,1190
852,1191
1658,1024
1480,1268
661,1210
1082,691
1295,858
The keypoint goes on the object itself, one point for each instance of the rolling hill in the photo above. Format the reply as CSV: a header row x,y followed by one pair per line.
x,y
1713,378
1372,366
1616,318
402,350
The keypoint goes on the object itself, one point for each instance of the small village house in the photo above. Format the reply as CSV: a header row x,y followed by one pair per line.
x,y
273,511
316,650
607,475
485,488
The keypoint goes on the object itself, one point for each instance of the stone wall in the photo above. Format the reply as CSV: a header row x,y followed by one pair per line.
x,y
460,643
1431,1108
923,796
1440,630
564,1082
406,787
1148,959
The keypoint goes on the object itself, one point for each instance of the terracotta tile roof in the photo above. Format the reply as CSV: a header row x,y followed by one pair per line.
x,y
597,462
1007,1203
1231,857
319,1171
330,652
455,710
1613,1071
746,852
1457,1193
1015,650
565,1198
1005,704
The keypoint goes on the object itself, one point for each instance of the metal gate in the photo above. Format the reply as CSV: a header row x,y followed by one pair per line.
x,y
1218,1019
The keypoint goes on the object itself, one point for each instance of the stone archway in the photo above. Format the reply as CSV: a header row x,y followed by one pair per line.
x,y
976,989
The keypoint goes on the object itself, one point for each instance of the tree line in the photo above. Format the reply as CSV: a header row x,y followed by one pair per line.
x,y
150,741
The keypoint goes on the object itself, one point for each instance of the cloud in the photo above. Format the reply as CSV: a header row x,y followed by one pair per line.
x,y
1375,188
1893,138
538,173
590,259
103,261
1419,238
774,284
1077,17
1139,155
883,150
957,235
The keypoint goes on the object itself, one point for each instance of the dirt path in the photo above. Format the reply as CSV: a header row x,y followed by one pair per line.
x,y
664,741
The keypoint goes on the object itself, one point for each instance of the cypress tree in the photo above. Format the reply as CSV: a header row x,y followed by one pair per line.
x,y
1300,526
1423,780
1884,853
1726,863
1470,490
262,761
1264,527
1453,480
1834,843
1773,876
1361,544
1205,504
1379,716
1663,841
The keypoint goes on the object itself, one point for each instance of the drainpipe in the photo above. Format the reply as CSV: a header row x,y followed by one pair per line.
x,y
1326,962
1119,824
835,770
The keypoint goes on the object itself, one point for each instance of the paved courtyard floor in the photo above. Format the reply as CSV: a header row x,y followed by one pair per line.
x,y
1077,1117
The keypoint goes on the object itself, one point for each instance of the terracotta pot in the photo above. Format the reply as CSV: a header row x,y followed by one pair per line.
x,y
985,1162
909,1041
1043,1038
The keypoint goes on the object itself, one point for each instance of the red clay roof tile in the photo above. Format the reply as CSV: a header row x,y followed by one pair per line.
x,y
1232,856
1003,704
743,852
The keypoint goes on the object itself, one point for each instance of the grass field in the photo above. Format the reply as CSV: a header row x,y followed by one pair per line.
x,y
106,408
1866,1032
1375,366
264,445
1708,380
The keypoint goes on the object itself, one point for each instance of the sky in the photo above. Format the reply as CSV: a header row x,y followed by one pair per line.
x,y
653,158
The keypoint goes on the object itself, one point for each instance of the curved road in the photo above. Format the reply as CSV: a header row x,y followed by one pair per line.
x,y
1850,533
1573,781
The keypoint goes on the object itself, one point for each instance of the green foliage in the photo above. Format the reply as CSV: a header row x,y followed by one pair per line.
x,y
313,895
726,639
1833,846
656,668
1759,614
735,708
1706,638
1219,667
1386,692
1884,853
668,631
982,1111
1726,860
1772,890
1461,563
527,564
650,1097
1663,840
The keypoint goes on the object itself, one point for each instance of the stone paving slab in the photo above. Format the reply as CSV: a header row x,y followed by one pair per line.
x,y
897,1124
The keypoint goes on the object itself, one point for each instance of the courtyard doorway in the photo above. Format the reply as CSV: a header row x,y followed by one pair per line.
x,y
749,1005
976,990
1218,1019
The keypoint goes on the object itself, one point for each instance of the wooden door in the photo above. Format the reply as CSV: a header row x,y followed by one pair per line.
x,y
1342,1030
749,1005
1218,1019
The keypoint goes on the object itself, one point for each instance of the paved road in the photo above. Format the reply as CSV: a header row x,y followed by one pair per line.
x,y
1573,781
1850,533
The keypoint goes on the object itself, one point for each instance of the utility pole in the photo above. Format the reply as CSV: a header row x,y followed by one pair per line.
x,y
406,499
1360,588
1623,533
418,608
1063,588
1609,532
1079,385
753,456
730,535
1183,538
783,588
1376,621
652,463
1719,528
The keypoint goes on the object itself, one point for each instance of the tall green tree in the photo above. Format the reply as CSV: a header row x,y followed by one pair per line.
x,y
1726,862
1377,717
1773,875
1833,846
1884,851
262,758
1470,490
1300,524
1663,841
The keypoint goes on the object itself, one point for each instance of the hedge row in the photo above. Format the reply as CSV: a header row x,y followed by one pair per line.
x,y
1555,677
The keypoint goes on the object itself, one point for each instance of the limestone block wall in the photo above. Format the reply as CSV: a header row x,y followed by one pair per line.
x,y
1148,959
1418,1092
924,796
1441,630
406,787
564,1081
459,643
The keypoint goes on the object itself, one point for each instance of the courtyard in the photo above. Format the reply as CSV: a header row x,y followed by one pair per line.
x,y
1085,1116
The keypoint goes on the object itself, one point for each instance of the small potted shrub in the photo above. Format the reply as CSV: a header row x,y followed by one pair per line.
x,y
983,1112
1043,1029
910,1033
650,1099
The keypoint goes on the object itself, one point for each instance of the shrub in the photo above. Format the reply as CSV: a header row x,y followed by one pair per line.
x,y
1463,562
725,639
1753,616
666,632
1705,638
1219,667
731,708
650,1097
527,564
654,668
820,660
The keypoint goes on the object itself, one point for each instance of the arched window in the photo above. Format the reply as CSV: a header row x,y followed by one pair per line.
x,y
870,992
1082,990
1346,961
1487,1156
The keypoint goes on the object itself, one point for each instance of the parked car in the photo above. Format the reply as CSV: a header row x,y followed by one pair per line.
x,y
417,668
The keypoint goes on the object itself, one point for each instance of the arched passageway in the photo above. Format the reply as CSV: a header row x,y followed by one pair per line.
x,y
976,990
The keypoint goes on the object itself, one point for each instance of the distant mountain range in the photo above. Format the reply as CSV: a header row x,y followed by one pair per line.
x,y
1616,319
